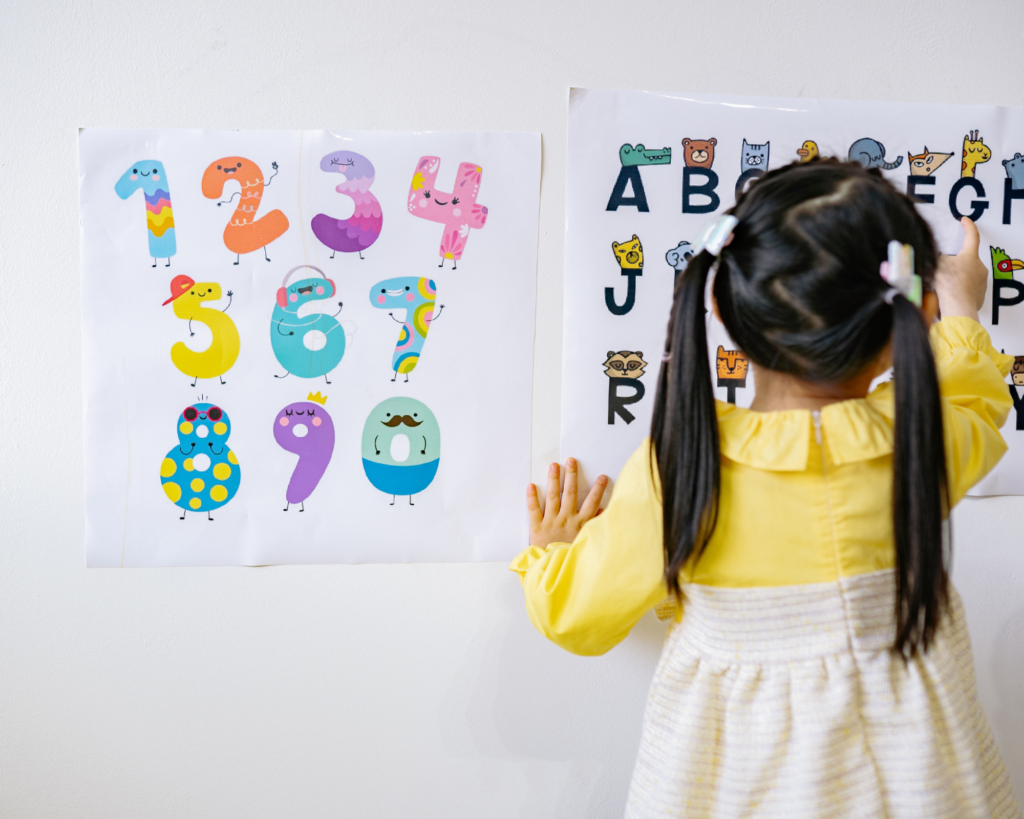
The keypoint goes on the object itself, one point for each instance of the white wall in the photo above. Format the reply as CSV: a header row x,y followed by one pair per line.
x,y
372,691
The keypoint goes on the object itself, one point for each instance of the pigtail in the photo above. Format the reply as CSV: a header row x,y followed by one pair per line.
x,y
684,430
920,492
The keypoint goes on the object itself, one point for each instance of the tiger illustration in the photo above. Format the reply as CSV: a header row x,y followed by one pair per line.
x,y
624,364
629,255
732,367
1017,374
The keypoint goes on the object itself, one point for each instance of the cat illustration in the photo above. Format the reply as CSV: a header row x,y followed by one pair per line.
x,y
927,163
1015,171
630,255
755,157
624,364
699,153
1018,370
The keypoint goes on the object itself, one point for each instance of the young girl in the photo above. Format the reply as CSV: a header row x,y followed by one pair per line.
x,y
819,663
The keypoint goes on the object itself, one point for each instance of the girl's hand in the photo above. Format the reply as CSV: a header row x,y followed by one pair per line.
x,y
961,280
561,522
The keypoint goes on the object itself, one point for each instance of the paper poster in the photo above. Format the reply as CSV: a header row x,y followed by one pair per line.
x,y
291,350
647,171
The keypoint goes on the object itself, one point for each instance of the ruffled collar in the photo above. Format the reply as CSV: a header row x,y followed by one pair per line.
x,y
856,430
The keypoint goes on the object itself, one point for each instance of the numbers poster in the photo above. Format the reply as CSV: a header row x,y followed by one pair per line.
x,y
291,350
647,171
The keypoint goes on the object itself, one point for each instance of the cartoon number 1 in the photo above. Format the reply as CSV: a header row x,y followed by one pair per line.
x,y
458,211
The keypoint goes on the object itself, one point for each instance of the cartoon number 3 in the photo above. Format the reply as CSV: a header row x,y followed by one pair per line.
x,y
458,211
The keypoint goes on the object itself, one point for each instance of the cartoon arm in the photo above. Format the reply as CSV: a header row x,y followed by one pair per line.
x,y
279,323
190,327
432,317
399,321
340,305
375,447
229,199
424,450
230,294
275,173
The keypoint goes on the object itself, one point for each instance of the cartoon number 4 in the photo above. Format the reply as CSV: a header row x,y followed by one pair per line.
x,y
458,211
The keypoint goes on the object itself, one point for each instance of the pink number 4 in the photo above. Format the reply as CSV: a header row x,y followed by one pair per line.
x,y
458,211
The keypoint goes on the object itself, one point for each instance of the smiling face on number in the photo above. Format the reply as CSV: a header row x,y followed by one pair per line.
x,y
203,427
401,432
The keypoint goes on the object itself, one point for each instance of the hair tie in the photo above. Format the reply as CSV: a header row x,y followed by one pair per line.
x,y
898,273
666,357
716,235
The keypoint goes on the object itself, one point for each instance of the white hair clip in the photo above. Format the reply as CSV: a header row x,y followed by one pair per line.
x,y
898,271
716,235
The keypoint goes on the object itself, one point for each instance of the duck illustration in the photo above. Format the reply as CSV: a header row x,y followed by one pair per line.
x,y
188,297
201,473
807,151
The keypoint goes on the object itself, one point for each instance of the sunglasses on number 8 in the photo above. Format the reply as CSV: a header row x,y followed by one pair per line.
x,y
213,413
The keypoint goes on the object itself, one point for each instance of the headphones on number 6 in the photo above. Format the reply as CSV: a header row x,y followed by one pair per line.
x,y
282,292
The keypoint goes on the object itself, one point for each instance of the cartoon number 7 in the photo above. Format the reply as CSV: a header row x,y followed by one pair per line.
x,y
458,211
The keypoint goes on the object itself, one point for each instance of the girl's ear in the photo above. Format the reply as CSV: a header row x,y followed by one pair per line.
x,y
930,307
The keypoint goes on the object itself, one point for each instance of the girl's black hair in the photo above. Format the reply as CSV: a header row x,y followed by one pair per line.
x,y
798,289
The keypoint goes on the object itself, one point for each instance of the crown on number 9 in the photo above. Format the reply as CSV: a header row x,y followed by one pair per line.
x,y
320,399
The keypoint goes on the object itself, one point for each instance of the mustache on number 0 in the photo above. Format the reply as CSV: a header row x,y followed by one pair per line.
x,y
395,421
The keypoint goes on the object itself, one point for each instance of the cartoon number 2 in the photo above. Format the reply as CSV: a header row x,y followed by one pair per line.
x,y
244,233
458,211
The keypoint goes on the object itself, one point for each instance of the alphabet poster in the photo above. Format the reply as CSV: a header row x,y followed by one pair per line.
x,y
291,349
647,171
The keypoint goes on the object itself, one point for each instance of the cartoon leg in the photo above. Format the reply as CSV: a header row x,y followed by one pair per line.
x,y
194,380
265,253
282,376
168,262
286,505
393,498
406,377
209,516
332,254
360,254
410,501
326,378
222,381
442,262
455,264
238,258
154,261
182,516
302,506
392,380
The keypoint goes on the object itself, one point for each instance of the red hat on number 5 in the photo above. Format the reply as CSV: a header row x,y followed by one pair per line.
x,y
179,284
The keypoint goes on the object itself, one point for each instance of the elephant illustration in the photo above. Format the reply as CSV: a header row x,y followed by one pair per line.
x,y
871,154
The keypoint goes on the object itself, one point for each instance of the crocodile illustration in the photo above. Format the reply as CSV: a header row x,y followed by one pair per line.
x,y
631,156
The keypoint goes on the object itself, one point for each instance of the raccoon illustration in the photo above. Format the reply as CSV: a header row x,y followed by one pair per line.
x,y
624,364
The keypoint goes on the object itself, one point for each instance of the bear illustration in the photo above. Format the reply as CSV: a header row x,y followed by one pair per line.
x,y
699,153
1015,171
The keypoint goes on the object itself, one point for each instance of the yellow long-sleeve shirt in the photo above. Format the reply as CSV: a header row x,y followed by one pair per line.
x,y
791,511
